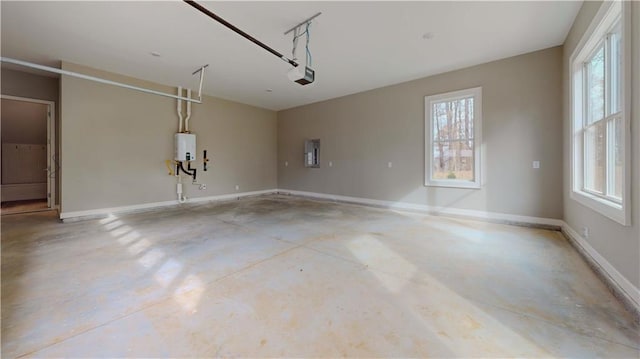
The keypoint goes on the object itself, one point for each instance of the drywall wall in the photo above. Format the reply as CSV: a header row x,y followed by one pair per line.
x,y
24,122
115,142
361,133
23,84
619,245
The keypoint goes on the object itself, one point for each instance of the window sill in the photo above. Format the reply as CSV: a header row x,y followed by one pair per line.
x,y
611,210
453,184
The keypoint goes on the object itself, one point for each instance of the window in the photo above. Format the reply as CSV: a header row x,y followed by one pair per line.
x,y
453,124
600,116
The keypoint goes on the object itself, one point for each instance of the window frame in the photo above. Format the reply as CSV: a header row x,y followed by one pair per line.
x,y
476,93
609,16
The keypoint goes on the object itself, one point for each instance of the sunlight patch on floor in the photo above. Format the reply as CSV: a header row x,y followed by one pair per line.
x,y
108,219
139,246
151,258
118,232
442,310
113,225
467,233
372,252
168,272
129,237
187,294
452,316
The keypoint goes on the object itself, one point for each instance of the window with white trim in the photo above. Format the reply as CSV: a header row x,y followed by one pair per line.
x,y
600,116
453,123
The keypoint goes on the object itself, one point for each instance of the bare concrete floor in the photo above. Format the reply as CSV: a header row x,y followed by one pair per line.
x,y
289,277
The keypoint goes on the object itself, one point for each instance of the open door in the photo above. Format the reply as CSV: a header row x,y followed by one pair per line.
x,y
28,155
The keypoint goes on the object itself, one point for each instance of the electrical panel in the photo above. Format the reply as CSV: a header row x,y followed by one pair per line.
x,y
185,147
312,153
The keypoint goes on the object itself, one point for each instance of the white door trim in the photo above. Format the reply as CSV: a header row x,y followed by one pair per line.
x,y
51,144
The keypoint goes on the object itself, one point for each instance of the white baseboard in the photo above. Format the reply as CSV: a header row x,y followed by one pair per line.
x,y
137,207
617,283
467,213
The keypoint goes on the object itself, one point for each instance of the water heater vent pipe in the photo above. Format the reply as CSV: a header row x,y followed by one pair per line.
x,y
186,121
179,108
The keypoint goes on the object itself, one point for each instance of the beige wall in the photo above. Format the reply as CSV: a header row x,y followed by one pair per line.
x,y
24,122
361,133
115,142
23,84
618,244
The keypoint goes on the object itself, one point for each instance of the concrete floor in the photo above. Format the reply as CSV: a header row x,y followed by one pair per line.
x,y
281,276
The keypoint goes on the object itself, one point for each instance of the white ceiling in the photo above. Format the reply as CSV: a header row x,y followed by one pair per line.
x,y
356,46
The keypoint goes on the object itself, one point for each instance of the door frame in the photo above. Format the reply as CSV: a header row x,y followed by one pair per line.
x,y
53,165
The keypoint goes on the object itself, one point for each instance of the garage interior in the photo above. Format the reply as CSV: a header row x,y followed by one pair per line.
x,y
320,179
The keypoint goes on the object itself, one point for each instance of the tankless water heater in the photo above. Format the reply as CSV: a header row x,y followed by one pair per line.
x,y
185,147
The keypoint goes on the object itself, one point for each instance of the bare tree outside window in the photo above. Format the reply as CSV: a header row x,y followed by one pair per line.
x,y
453,139
602,152
452,124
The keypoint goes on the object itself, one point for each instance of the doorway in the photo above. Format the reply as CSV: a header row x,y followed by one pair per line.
x,y
28,159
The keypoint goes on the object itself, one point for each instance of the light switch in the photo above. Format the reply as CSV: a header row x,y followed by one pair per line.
x,y
330,164
389,164
286,163
536,164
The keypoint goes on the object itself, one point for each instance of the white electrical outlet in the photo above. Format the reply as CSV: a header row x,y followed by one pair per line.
x,y
237,187
330,164
286,163
536,164
585,232
203,187
389,164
